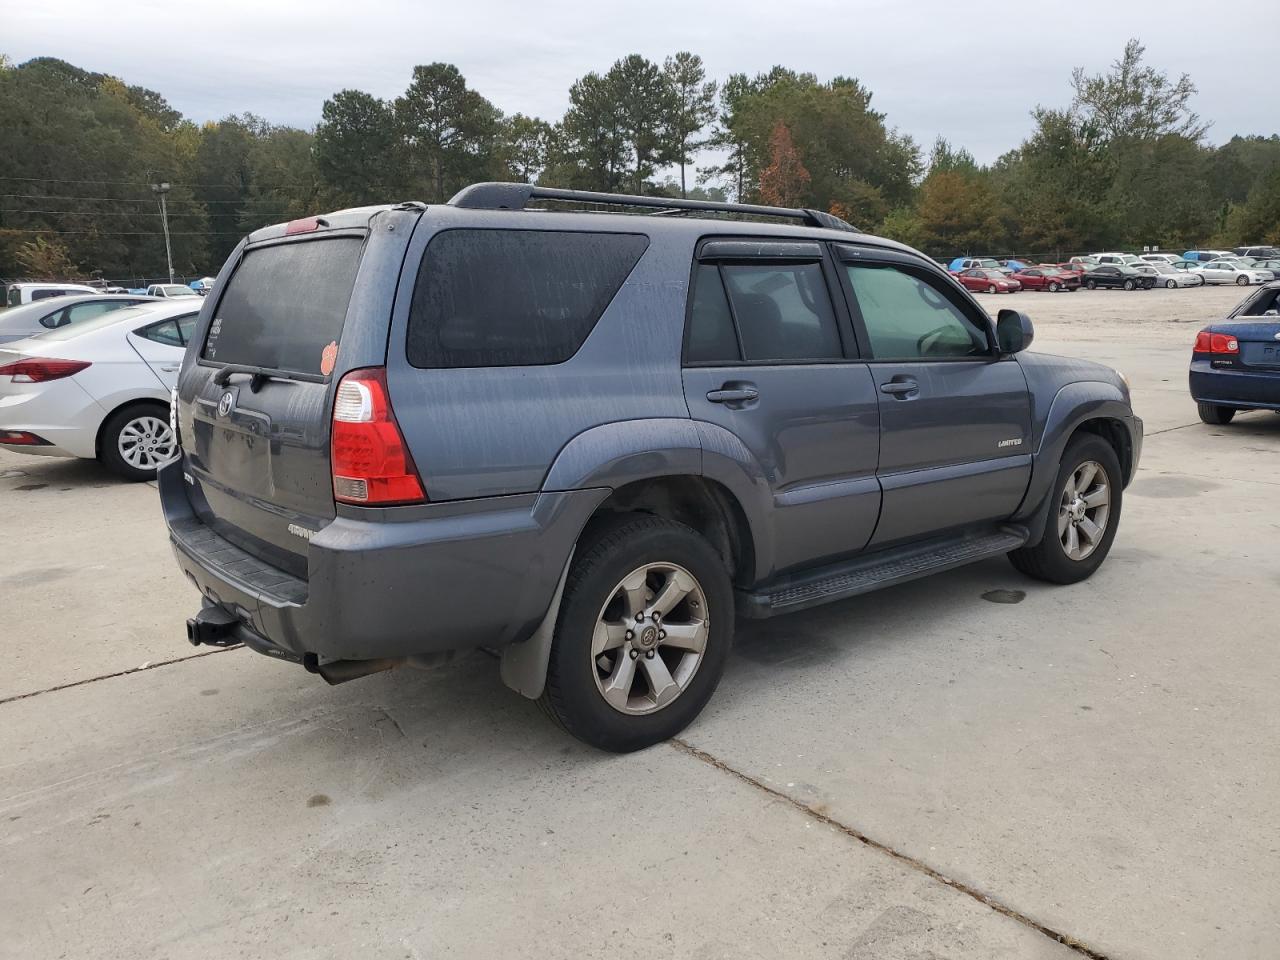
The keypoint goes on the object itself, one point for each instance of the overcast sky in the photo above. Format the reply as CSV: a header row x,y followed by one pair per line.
x,y
970,72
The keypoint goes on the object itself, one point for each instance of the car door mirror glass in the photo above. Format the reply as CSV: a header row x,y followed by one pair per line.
x,y
1014,331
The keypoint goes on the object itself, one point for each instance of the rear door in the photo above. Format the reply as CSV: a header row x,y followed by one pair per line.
x,y
770,357
297,309
955,419
162,344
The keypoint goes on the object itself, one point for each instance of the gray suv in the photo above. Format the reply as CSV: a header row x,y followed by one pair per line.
x,y
590,441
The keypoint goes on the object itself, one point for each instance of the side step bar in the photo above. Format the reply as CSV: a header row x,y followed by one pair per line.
x,y
875,570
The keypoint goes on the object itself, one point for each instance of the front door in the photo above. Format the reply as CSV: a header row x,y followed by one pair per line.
x,y
769,358
955,418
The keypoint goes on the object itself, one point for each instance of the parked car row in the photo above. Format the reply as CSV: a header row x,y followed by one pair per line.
x,y
90,377
1124,271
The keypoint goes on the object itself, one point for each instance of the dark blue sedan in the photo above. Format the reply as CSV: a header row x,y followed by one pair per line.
x,y
1236,362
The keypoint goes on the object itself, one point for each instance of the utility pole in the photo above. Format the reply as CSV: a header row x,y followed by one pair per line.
x,y
161,189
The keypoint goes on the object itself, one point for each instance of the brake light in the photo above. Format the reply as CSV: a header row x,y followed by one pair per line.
x,y
38,370
1220,343
305,225
371,464
22,438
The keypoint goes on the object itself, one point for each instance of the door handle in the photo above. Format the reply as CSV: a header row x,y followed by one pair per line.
x,y
904,388
171,367
733,395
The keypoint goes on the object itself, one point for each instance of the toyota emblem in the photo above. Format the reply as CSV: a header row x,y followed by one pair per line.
x,y
226,403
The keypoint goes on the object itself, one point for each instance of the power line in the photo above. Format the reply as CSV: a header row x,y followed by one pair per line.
x,y
125,233
48,196
130,183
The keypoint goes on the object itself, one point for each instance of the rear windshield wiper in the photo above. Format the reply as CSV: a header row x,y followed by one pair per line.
x,y
260,374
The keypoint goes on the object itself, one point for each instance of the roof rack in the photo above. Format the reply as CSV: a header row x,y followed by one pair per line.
x,y
516,196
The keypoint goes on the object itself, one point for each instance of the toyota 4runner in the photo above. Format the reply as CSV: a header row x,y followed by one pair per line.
x,y
590,441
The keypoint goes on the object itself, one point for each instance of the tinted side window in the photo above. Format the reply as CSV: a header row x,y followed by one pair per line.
x,y
783,311
497,298
711,334
907,318
164,332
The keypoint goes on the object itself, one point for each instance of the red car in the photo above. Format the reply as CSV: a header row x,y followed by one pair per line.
x,y
986,280
1048,278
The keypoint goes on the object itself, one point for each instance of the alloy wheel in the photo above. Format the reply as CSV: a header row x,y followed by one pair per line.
x,y
146,443
650,638
1083,510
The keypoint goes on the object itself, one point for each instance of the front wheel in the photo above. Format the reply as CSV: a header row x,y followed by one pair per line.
x,y
1053,288
643,635
1215,414
1083,517
1128,284
137,441
1242,280
1170,284
991,288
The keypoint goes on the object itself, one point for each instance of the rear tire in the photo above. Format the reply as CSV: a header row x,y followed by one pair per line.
x,y
136,440
1050,560
601,688
1215,414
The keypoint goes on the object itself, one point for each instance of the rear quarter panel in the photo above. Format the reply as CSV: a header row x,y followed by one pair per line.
x,y
489,431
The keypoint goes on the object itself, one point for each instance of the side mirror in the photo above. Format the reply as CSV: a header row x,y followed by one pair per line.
x,y
1014,331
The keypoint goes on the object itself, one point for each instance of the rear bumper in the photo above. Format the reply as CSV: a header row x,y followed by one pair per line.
x,y
1241,388
405,582
58,411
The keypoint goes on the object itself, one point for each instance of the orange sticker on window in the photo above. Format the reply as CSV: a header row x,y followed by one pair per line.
x,y
329,357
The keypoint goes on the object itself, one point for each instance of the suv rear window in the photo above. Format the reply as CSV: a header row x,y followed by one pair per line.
x,y
502,298
285,304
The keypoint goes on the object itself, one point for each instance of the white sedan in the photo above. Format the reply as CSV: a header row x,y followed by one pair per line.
x,y
1170,276
98,389
1232,271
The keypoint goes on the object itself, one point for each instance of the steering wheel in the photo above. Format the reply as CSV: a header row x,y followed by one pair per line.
x,y
927,342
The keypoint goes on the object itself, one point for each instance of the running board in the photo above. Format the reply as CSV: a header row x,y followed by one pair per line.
x,y
884,568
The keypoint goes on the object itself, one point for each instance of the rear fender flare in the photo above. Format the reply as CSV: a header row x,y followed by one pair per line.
x,y
615,454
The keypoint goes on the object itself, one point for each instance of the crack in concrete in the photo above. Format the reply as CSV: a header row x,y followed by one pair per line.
x,y
118,673
919,866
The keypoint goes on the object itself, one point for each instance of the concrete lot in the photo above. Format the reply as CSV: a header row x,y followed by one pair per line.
x,y
917,773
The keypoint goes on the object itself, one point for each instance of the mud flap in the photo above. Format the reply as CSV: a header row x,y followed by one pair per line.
x,y
524,665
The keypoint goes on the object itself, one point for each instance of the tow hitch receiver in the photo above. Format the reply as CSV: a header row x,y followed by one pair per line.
x,y
214,626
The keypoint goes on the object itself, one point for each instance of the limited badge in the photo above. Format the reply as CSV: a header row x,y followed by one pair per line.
x,y
329,358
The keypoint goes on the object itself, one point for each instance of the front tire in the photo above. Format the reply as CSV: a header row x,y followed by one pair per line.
x,y
136,441
1128,284
619,678
991,288
1215,414
1242,280
1053,287
1170,284
1083,516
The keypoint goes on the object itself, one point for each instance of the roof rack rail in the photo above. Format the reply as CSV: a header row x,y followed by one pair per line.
x,y
516,196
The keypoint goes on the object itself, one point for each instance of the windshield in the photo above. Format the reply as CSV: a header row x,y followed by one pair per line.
x,y
1161,267
176,290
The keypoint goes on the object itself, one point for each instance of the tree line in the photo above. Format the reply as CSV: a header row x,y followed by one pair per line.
x,y
1125,163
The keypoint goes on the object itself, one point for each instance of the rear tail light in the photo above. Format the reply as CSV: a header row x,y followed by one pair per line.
x,y
371,464
1220,343
21,438
38,369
